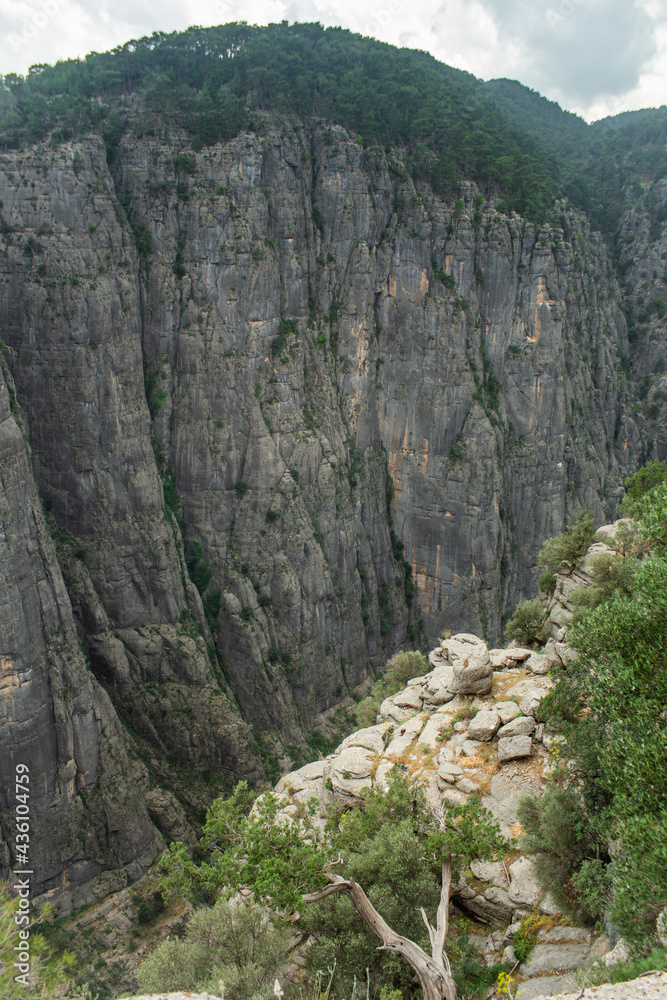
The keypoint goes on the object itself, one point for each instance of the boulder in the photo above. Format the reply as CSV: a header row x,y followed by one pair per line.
x,y
470,748
661,928
523,890
489,871
451,773
518,653
565,935
473,672
409,698
565,653
523,725
484,726
469,637
499,658
514,747
507,710
547,986
537,663
466,785
554,958
371,738
390,711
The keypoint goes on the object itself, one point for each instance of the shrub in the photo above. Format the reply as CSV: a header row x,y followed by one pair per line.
x,y
241,488
643,481
527,623
558,835
232,946
547,583
568,548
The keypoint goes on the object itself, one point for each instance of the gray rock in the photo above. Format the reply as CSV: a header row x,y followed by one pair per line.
x,y
545,986
467,785
473,673
537,663
553,958
514,747
484,726
524,725
450,773
569,935
246,429
523,890
661,928
507,710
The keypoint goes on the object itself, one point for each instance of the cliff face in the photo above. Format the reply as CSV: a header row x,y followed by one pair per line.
x,y
642,251
87,807
478,355
342,386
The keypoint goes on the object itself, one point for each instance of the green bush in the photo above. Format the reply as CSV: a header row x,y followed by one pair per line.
x,y
547,582
557,833
610,706
526,625
231,948
643,481
568,548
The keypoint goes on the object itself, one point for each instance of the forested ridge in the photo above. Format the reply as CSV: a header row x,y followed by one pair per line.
x,y
211,81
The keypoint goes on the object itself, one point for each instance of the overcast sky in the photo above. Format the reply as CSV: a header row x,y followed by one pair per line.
x,y
595,57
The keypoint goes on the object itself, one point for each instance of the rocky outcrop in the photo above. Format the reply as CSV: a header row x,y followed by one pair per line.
x,y
90,830
460,744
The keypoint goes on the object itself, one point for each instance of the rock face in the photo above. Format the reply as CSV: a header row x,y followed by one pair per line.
x,y
90,827
367,406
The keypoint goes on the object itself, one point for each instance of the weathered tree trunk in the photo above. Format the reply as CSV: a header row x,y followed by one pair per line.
x,y
435,974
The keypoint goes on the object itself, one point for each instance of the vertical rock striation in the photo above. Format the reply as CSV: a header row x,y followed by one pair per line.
x,y
87,809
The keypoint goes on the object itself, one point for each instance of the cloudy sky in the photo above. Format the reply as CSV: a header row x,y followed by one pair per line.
x,y
595,57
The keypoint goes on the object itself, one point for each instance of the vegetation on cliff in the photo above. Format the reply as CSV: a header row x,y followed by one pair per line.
x,y
209,81
602,839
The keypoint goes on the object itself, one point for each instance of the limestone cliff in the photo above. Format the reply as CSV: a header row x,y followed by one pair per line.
x,y
286,350
87,808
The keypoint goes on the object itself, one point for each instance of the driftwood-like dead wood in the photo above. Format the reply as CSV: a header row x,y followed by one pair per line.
x,y
434,971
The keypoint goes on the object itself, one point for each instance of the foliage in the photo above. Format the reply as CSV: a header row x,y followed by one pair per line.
x,y
621,972
231,949
199,570
210,82
547,582
610,705
526,625
558,834
610,574
568,548
643,481
400,669
48,971
392,846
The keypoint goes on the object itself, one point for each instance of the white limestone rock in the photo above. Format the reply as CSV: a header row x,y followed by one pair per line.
x,y
523,890
523,725
506,710
484,726
514,748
